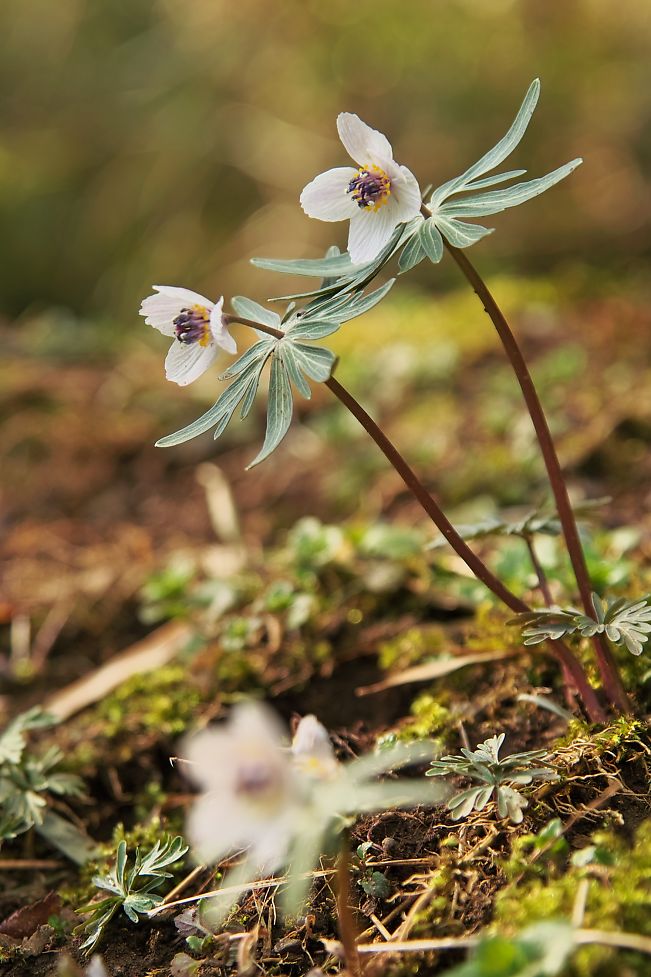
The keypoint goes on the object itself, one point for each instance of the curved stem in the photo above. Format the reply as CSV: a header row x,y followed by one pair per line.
x,y
610,676
478,567
438,517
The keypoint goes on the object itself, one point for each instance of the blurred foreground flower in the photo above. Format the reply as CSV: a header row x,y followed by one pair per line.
x,y
196,325
283,805
375,198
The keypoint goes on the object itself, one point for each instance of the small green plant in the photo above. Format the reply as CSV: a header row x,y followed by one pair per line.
x,y
494,776
624,622
132,891
26,780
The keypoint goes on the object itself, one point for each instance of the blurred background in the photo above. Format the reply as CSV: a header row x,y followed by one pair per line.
x,y
167,141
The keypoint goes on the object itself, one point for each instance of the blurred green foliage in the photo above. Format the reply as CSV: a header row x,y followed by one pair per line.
x,y
167,140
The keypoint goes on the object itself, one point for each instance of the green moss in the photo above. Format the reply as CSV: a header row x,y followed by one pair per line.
x,y
429,718
162,700
617,899
411,647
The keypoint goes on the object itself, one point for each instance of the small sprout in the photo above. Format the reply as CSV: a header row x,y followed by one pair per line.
x,y
624,622
132,890
494,776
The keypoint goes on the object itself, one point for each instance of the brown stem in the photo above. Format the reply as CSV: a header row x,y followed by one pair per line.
x,y
607,667
478,567
347,928
438,517
543,586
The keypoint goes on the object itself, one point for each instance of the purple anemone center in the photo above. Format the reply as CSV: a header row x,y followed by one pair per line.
x,y
370,187
192,325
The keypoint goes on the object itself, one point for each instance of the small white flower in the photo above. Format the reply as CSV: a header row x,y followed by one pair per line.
x,y
279,804
196,325
250,789
375,198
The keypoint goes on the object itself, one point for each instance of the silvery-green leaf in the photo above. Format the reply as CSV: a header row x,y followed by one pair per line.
x,y
365,303
362,274
314,360
431,241
460,234
498,153
249,309
247,400
332,266
294,371
222,408
498,200
412,254
332,252
312,329
253,354
490,181
279,409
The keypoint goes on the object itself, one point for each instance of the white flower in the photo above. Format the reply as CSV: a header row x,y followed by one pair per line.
x,y
279,804
375,198
196,325
250,789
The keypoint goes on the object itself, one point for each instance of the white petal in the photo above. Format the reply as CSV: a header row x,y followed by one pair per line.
x,y
211,829
369,232
186,362
161,309
364,144
219,331
184,295
326,197
406,192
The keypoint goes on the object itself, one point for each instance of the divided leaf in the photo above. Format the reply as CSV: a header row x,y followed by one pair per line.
x,y
446,211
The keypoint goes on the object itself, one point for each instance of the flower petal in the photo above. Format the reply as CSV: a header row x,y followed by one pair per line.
x,y
364,145
186,362
161,309
406,191
369,232
219,331
327,197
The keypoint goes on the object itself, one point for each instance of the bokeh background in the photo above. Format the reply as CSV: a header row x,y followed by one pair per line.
x,y
167,141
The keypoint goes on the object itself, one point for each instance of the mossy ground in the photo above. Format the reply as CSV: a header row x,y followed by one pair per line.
x,y
304,611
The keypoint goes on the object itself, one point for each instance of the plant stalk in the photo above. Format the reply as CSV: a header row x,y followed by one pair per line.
x,y
610,676
347,927
438,517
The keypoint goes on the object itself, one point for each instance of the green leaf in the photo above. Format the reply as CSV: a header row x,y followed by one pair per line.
x,y
74,843
223,409
431,241
312,328
315,361
248,309
498,153
335,266
412,254
279,408
460,234
498,200
294,372
490,181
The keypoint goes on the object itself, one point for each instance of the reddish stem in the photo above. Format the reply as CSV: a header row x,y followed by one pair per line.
x,y
438,517
610,676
